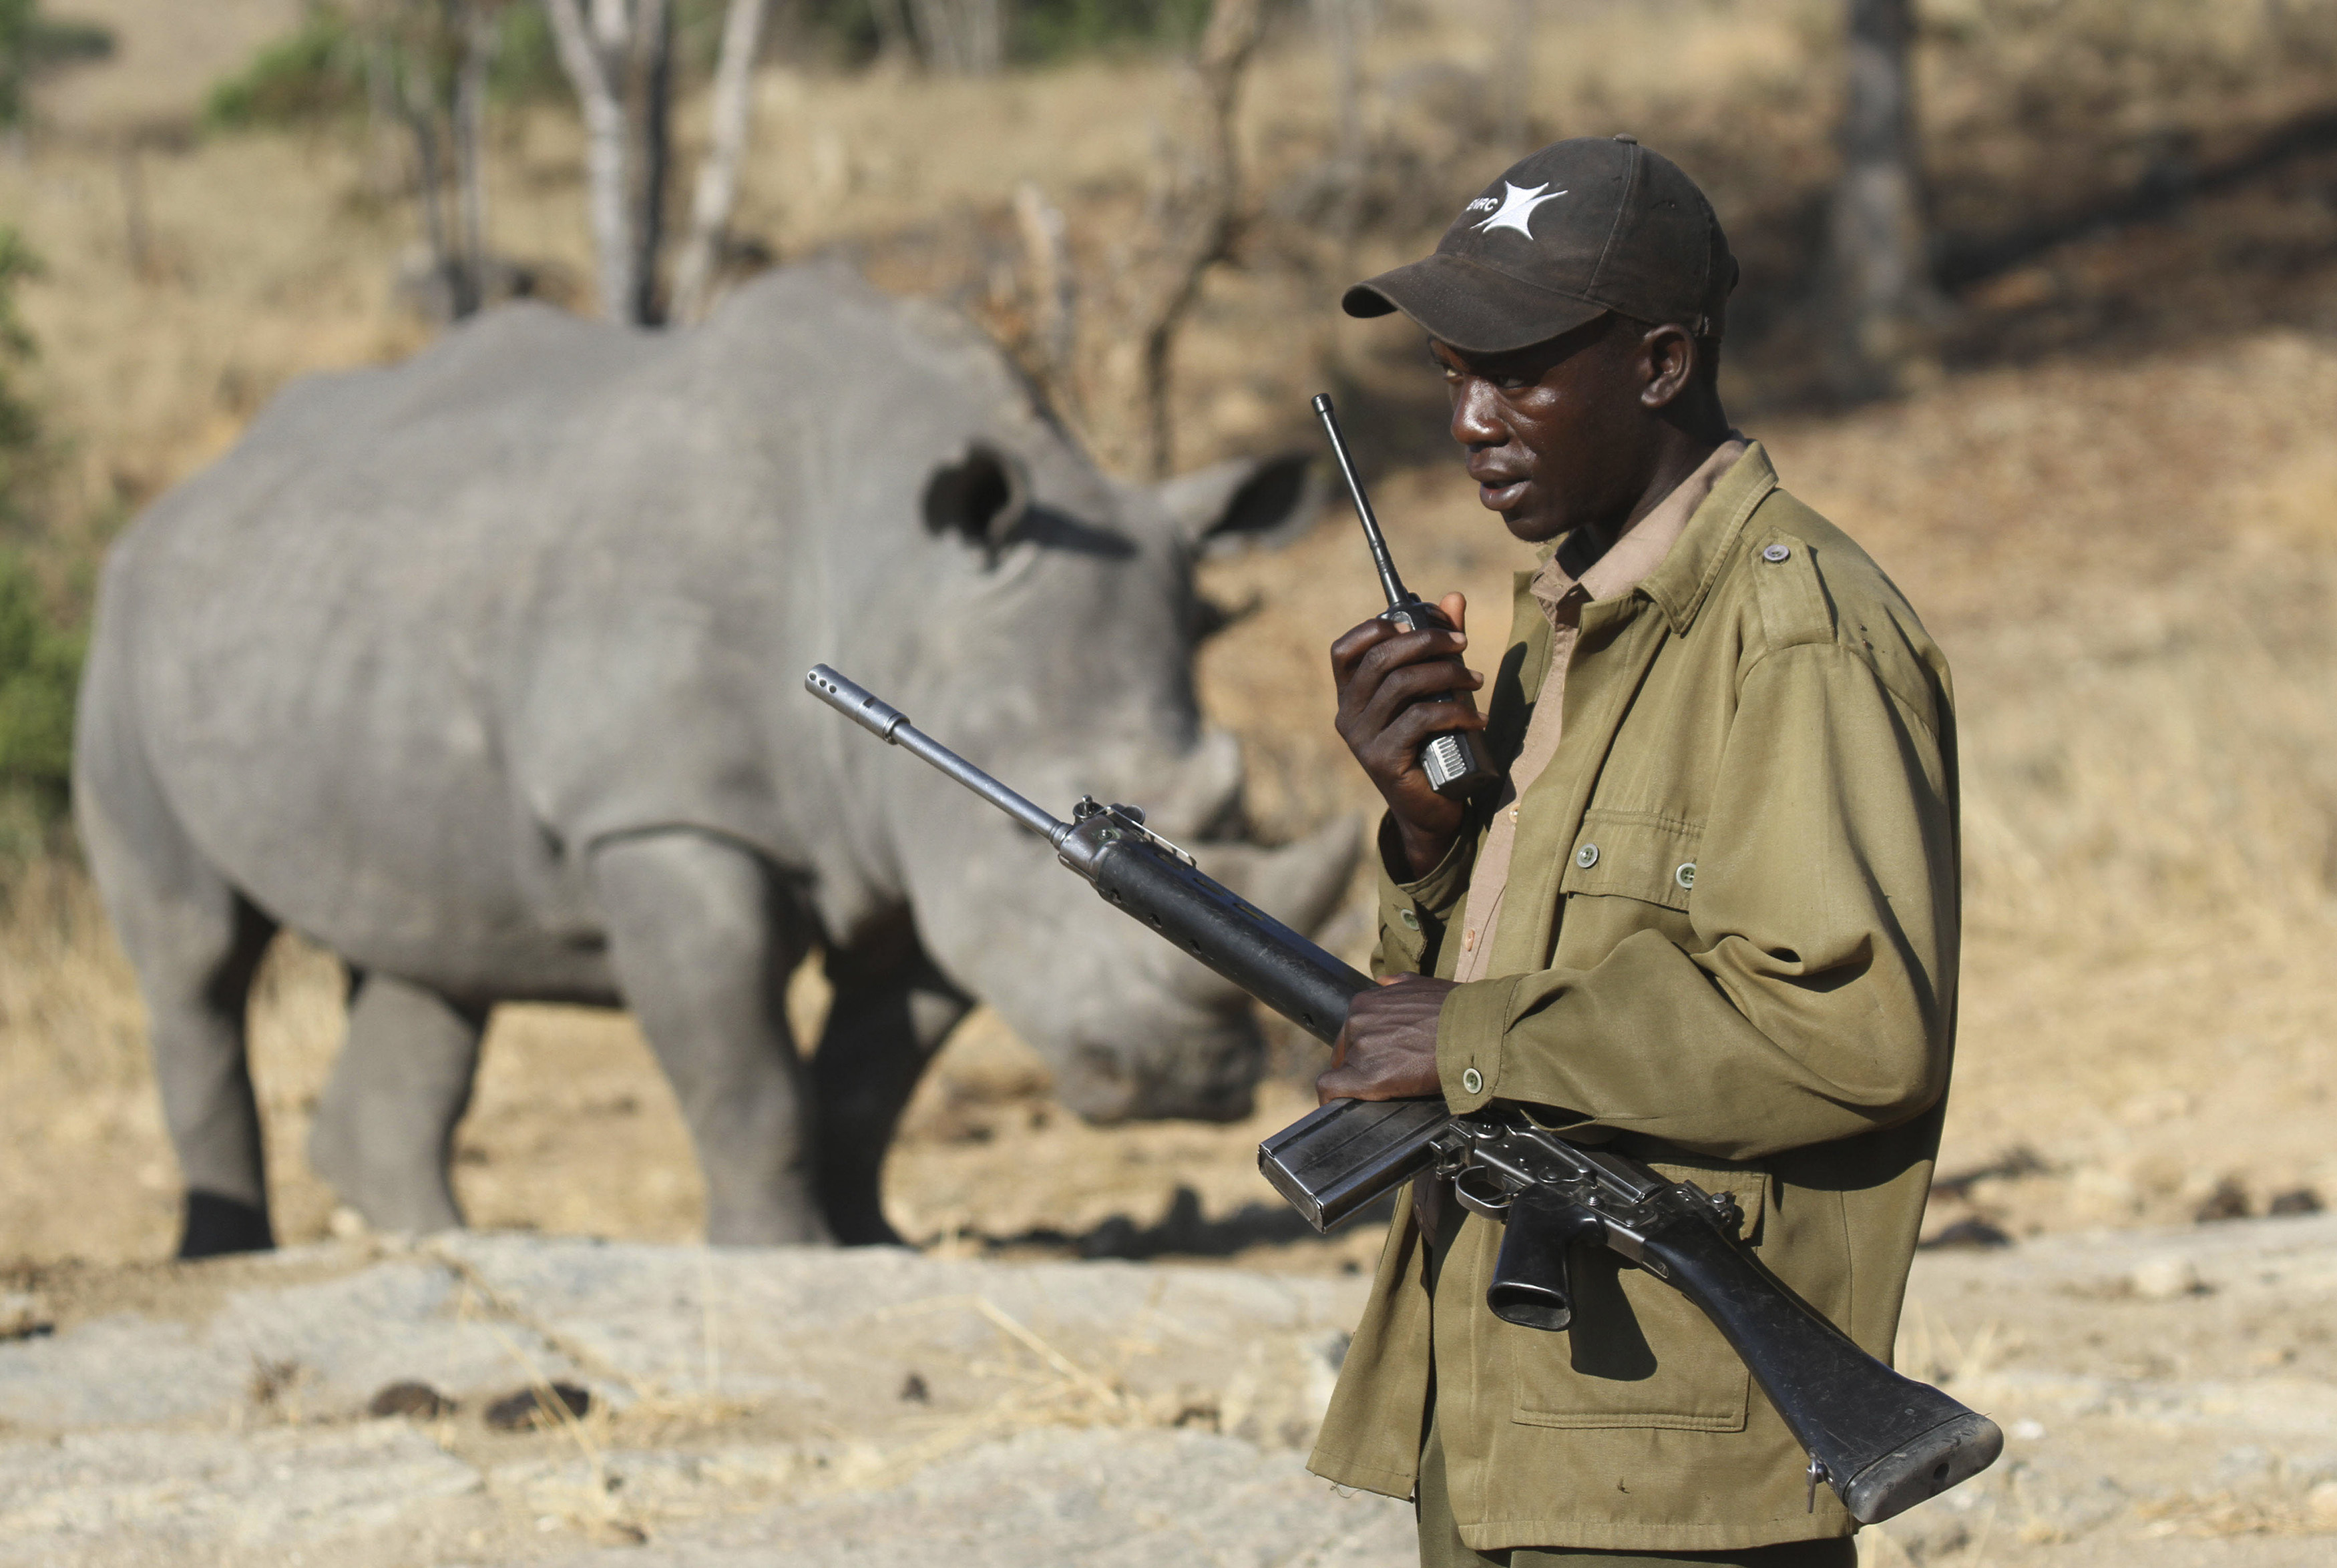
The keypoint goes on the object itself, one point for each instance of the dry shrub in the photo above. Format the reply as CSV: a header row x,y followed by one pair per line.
x,y
80,1133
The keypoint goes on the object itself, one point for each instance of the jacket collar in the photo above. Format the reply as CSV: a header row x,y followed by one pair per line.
x,y
1680,584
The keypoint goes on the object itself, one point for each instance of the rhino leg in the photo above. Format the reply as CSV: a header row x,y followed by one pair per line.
x,y
703,937
888,1016
385,1130
195,942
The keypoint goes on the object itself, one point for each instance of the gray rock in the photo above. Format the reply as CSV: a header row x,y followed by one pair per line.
x,y
1114,1499
157,1496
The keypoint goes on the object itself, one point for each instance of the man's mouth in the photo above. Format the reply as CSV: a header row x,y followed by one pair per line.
x,y
1500,493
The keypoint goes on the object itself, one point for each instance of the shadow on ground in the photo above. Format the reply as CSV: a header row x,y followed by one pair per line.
x,y
1184,1231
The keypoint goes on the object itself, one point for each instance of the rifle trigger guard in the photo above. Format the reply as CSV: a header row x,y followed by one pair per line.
x,y
1494,1204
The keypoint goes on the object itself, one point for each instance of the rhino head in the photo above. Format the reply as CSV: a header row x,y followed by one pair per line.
x,y
1054,646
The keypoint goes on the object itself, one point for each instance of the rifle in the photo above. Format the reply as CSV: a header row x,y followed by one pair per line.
x,y
1883,1441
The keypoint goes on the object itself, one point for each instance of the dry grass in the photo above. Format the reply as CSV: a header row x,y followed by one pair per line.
x,y
2125,533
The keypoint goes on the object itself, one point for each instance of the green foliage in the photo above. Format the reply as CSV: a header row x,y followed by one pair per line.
x,y
40,668
527,61
20,429
315,73
318,73
40,662
31,44
1048,30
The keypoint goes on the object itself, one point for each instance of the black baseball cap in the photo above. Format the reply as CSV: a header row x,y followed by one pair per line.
x,y
1581,227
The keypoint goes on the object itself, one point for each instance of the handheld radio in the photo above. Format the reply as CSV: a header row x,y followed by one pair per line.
x,y
1455,761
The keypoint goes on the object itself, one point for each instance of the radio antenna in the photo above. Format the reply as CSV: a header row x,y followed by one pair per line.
x,y
1391,584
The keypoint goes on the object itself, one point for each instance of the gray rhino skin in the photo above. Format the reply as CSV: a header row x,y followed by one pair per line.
x,y
486,672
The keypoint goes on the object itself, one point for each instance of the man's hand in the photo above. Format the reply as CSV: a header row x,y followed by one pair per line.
x,y
1388,1050
1382,674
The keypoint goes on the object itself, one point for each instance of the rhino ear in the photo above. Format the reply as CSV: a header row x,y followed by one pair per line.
x,y
980,498
1264,502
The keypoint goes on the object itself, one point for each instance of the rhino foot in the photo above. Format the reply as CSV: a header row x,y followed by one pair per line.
x,y
216,1225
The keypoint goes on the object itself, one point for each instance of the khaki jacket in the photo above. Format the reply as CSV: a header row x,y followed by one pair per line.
x,y
1749,981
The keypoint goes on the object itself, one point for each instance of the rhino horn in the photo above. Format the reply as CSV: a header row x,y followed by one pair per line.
x,y
1299,884
1203,799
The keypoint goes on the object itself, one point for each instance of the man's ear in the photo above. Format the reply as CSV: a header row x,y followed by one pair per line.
x,y
1264,502
1670,354
981,498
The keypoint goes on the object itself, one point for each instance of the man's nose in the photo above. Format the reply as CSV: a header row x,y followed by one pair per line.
x,y
1474,422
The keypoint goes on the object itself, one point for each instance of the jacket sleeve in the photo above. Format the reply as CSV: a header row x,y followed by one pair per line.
x,y
1816,998
1414,914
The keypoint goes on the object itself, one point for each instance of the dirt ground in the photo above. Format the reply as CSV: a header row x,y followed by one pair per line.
x,y
2166,1396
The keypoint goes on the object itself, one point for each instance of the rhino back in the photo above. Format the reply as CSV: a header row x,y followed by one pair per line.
x,y
429,632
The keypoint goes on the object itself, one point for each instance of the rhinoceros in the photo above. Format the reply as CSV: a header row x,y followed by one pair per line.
x,y
485,672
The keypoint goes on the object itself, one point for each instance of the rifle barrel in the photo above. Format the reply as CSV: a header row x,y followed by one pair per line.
x,y
890,725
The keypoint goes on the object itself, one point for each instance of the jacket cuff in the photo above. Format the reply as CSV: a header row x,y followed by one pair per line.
x,y
1414,914
1470,1029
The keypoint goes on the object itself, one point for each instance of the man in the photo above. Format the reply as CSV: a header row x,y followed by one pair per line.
x,y
1710,914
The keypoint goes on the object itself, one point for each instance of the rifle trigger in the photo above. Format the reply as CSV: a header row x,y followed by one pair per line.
x,y
1817,1473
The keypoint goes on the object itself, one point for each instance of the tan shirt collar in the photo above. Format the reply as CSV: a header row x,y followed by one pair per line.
x,y
1643,545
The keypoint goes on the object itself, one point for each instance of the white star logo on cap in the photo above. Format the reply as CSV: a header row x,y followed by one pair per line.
x,y
1517,209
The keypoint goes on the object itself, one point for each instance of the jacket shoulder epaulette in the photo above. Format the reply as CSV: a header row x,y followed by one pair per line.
x,y
1813,584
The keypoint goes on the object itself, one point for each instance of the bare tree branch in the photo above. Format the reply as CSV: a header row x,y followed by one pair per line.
x,y
1047,253
718,177
1214,209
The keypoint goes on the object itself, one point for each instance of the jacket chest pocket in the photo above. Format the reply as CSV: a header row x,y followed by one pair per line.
x,y
1637,1354
1636,855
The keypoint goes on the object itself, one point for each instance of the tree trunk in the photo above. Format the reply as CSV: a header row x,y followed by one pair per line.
x,y
479,40
417,106
1882,294
962,37
587,66
895,42
649,110
985,35
718,177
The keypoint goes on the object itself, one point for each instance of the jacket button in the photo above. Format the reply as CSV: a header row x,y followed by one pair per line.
x,y
1472,1082
1686,875
1411,920
1587,856
1774,553
1469,941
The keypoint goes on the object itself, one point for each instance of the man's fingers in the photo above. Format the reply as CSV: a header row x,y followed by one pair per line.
x,y
1346,1084
1455,607
1352,643
1407,648
1412,683
1410,730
